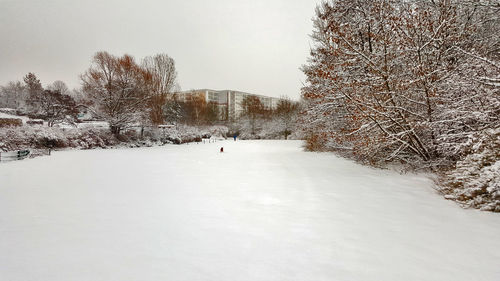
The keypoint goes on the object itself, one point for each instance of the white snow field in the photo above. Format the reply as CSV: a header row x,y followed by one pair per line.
x,y
262,210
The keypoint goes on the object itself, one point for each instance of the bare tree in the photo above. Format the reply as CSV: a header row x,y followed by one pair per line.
x,y
163,82
117,88
164,74
60,87
196,108
286,113
253,110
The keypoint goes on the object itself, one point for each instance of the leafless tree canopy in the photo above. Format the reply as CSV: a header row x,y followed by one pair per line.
x,y
164,74
60,87
117,88
402,80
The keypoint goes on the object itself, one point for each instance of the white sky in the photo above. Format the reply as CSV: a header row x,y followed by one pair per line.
x,y
254,45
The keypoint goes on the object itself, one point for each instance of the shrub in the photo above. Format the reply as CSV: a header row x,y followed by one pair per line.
x,y
10,122
475,180
45,137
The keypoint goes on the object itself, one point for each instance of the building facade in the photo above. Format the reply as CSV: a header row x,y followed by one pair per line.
x,y
229,102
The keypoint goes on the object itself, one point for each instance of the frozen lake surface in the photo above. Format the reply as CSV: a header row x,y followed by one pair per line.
x,y
262,210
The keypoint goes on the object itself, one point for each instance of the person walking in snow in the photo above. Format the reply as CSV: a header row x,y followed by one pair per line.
x,y
234,137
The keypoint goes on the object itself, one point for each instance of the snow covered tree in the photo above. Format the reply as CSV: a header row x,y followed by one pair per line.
x,y
13,95
380,70
33,84
34,88
55,107
471,100
117,88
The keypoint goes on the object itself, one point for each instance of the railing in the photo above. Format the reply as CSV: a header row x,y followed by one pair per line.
x,y
14,155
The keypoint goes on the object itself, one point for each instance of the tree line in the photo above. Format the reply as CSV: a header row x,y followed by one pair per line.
x,y
54,104
115,89
126,94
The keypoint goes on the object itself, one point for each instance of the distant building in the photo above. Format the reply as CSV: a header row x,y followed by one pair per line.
x,y
229,102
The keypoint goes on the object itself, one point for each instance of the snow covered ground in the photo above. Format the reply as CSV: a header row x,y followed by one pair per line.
x,y
262,210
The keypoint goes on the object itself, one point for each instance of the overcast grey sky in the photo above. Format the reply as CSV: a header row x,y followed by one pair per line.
x,y
255,45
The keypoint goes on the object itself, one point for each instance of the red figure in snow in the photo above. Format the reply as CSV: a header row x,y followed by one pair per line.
x,y
222,149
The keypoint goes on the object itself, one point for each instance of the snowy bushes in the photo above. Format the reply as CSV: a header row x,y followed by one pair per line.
x,y
88,138
184,133
475,181
43,137
257,129
10,122
178,134
265,128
